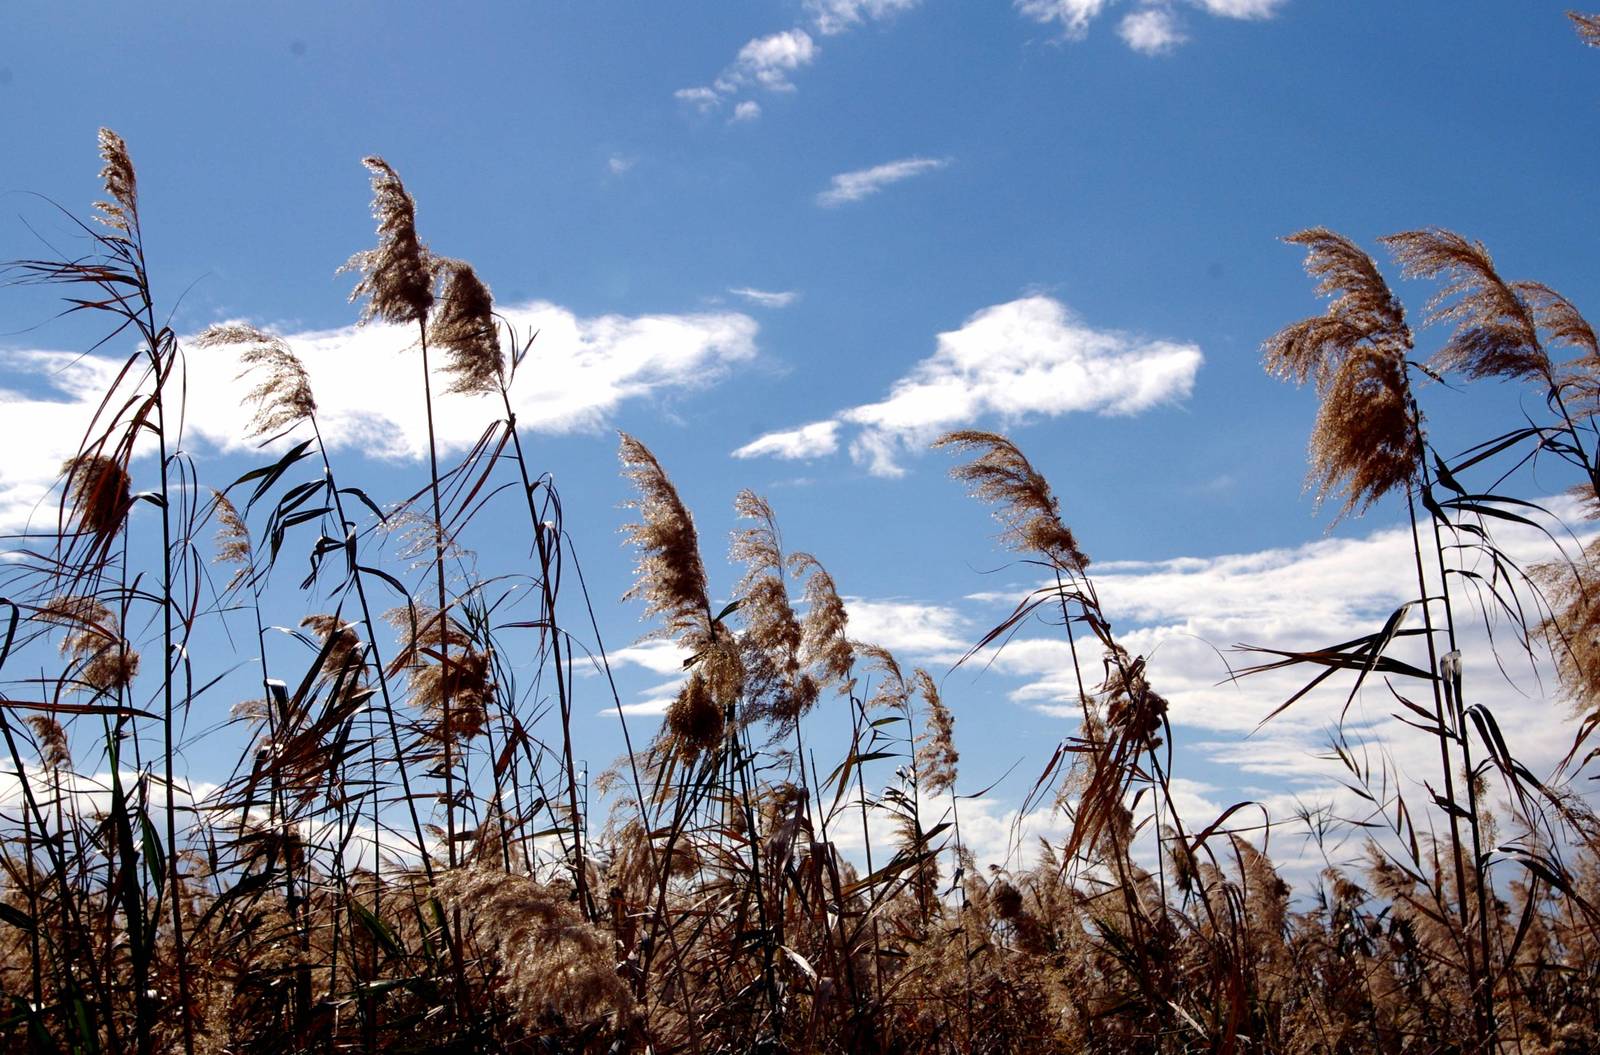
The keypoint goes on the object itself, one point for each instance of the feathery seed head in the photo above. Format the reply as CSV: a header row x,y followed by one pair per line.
x,y
464,326
669,576
52,738
1367,440
93,641
397,276
283,396
1496,334
121,213
1026,507
98,488
1588,27
936,755
233,536
442,663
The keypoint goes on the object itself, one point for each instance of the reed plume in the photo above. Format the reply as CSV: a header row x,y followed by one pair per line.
x,y
397,276
448,675
1495,332
824,641
1030,514
669,575
464,326
54,751
1366,441
936,755
121,213
772,635
98,489
93,643
282,396
1587,26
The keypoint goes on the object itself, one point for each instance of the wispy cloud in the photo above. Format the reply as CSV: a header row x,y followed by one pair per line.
x,y
832,17
770,61
862,183
1027,358
766,298
366,383
617,164
1152,29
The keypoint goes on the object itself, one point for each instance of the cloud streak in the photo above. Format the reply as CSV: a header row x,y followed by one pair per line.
x,y
1024,359
849,187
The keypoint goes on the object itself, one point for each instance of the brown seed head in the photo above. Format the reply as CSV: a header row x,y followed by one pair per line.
x,y
670,576
464,326
53,749
442,663
1588,27
121,213
1496,334
397,276
93,642
1367,440
824,645
282,396
98,488
1025,506
936,755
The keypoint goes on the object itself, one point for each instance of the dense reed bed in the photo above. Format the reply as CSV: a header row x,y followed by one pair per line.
x,y
406,855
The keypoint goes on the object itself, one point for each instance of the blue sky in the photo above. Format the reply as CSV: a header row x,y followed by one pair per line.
x,y
1092,188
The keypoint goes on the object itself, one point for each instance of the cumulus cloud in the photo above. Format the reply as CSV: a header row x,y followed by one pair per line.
x,y
862,183
748,110
766,298
1153,31
769,60
366,381
1024,359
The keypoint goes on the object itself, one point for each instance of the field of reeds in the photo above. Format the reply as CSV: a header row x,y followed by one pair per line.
x,y
406,855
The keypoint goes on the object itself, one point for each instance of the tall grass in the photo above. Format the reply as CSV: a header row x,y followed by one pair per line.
x,y
402,857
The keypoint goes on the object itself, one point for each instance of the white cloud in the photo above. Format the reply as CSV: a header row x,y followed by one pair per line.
x,y
832,17
748,110
769,60
853,186
1153,31
618,164
1073,15
701,98
807,441
367,381
766,298
907,627
1026,358
1241,8
658,655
